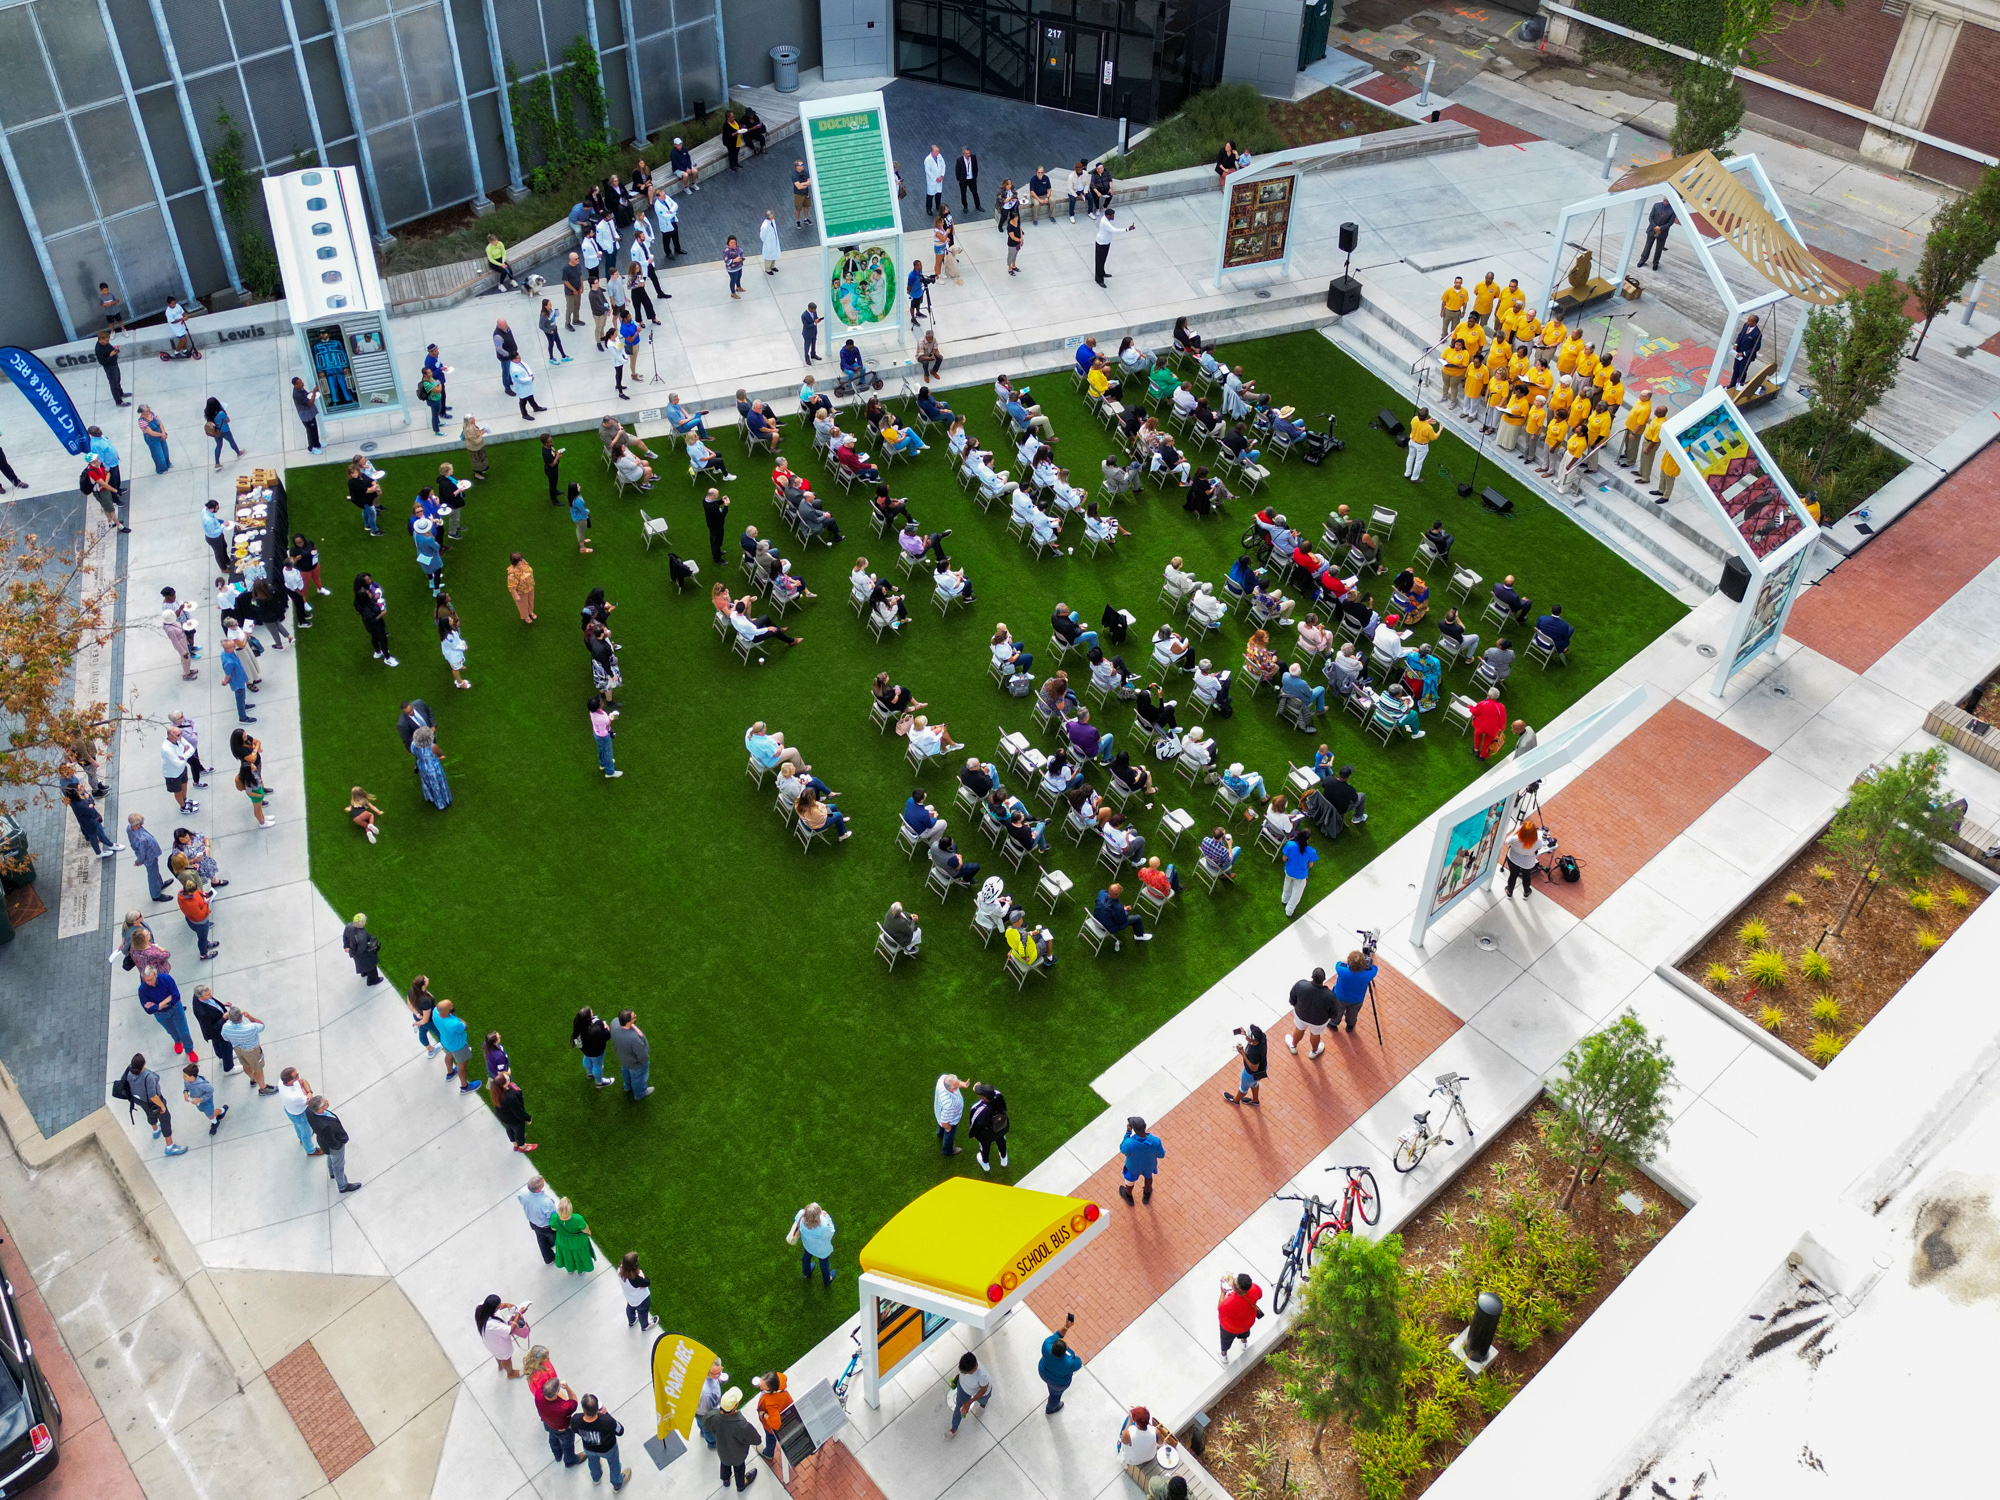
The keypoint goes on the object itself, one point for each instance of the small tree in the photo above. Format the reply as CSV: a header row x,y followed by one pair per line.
x,y
1611,1094
1853,352
1891,826
1346,1353
236,191
1708,109
54,604
1961,239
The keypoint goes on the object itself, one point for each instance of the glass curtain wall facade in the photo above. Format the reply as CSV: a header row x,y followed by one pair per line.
x,y
109,115
1138,58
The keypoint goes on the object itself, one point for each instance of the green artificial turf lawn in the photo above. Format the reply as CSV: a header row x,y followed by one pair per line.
x,y
790,1066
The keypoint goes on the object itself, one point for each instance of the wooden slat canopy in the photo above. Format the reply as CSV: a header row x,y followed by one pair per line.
x,y
1738,214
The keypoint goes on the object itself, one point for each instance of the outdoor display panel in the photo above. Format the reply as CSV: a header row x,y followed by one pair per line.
x,y
1254,231
967,1252
846,142
333,294
1725,465
1467,837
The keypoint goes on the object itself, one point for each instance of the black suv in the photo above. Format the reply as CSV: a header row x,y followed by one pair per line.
x,y
29,1415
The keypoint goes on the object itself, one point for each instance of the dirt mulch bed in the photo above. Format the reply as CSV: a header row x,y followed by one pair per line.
x,y
1988,706
1254,1432
1872,960
1331,115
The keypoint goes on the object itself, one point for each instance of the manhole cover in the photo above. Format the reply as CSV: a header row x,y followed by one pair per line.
x,y
1704,649
1779,690
369,447
1486,942
1406,55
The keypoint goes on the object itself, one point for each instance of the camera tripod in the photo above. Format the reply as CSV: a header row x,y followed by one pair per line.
x,y
1528,808
1369,942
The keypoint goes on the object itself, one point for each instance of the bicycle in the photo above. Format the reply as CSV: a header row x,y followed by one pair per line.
x,y
847,1375
1415,1143
1320,1219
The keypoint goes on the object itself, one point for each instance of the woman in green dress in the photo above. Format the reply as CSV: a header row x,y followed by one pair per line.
x,y
573,1250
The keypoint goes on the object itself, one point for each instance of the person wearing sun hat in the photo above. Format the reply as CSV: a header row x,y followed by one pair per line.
x,y
734,1437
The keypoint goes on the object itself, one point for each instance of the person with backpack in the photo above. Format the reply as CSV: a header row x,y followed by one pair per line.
x,y
140,1088
988,1124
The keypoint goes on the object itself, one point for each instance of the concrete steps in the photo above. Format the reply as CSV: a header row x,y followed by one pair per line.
x,y
1676,554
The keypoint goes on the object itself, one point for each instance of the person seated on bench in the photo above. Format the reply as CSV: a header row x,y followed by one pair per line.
x,y
1556,630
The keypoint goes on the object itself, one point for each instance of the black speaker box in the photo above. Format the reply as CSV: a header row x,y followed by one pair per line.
x,y
1350,236
1496,502
1735,579
1343,295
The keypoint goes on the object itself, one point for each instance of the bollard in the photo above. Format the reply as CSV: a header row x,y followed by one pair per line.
x,y
1124,136
1610,150
1485,1323
1972,296
1430,67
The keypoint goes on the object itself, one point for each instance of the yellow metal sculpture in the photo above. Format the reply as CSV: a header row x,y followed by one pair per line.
x,y
1739,216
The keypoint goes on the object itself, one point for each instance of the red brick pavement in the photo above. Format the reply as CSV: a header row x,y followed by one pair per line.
x,y
89,1463
1898,579
1492,132
1644,792
1384,89
1223,1161
833,1473
324,1418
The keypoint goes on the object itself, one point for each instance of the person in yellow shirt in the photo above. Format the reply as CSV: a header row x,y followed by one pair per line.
x,y
1635,423
1577,448
1557,434
1498,393
1423,432
1614,389
1599,431
1514,419
1451,307
1531,431
1541,377
1475,388
1561,396
1669,472
1473,334
1518,367
1554,333
1587,366
1567,355
1497,354
1484,295
1527,327
1513,296
1580,408
1456,358
1649,442
1099,380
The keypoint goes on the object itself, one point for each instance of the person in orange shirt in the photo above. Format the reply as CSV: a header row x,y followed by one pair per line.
x,y
771,1408
1527,327
1649,442
1578,448
1475,388
1554,333
1599,430
1635,423
1561,396
1541,377
1423,432
1451,307
1498,393
1473,334
1484,295
1531,431
195,911
1456,358
1612,387
1669,472
1567,355
1557,435
1515,419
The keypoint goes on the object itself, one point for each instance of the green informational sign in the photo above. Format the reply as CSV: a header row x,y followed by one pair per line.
x,y
849,156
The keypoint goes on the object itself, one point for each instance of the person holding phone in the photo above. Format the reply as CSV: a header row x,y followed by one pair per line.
x,y
1254,1051
1058,1365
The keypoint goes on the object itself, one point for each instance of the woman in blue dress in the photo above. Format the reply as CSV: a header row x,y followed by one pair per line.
x,y
430,767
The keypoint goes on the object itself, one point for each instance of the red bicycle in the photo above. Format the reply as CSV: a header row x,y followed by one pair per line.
x,y
1318,1220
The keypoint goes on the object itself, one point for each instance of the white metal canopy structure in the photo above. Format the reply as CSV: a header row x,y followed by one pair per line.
x,y
1717,205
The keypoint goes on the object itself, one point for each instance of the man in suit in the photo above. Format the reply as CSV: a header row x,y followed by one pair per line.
x,y
332,1138
416,715
1748,341
966,170
1658,222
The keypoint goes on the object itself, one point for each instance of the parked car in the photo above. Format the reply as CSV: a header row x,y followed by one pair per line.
x,y
30,1419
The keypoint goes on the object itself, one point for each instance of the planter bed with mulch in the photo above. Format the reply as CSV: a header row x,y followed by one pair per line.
x,y
1881,948
1560,1267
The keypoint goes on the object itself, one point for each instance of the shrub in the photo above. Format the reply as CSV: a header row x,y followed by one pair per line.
x,y
1824,1047
1770,1017
1767,967
1754,934
1718,975
1816,966
1793,898
1928,941
1823,874
1234,112
1826,1011
1959,897
1921,901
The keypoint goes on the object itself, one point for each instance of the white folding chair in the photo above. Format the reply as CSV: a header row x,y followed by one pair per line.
x,y
651,526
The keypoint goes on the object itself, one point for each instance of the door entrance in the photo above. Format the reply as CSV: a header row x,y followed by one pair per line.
x,y
1075,69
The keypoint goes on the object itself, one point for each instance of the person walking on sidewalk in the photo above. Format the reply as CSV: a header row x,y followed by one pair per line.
x,y
599,1432
363,947
296,1095
160,998
1058,1365
634,1054
1254,1049
1237,1313
948,1107
539,1204
305,402
245,1035
457,1046
1142,1151
140,1085
971,1386
1106,227
89,821
989,1124
199,1092
332,1138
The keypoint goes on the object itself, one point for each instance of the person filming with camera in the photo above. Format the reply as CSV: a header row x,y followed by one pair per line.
x,y
1524,858
1351,981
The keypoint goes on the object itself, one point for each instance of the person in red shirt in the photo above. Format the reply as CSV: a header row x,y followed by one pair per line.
x,y
194,907
1155,878
1238,1312
1489,723
554,1404
772,1405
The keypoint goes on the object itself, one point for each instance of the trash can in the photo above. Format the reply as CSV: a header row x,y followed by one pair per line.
x,y
785,69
